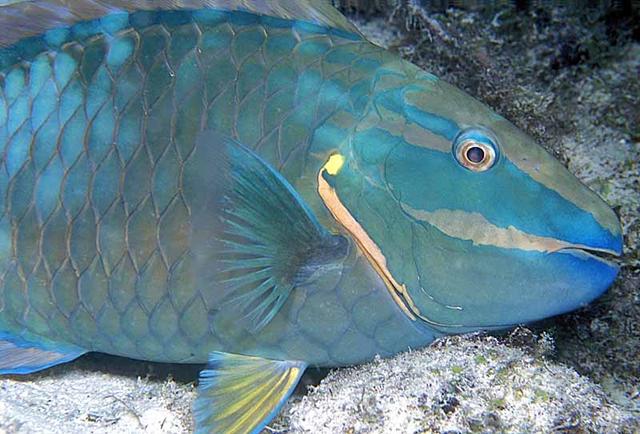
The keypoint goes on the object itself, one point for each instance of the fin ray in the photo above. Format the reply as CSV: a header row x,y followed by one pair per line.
x,y
267,239
21,356
239,394
258,403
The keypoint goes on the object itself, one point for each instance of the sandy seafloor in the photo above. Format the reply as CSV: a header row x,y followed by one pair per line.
x,y
570,79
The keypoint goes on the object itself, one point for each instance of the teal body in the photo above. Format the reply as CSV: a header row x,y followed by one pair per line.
x,y
98,137
255,185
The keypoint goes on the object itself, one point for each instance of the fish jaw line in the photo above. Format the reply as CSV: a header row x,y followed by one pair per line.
x,y
476,229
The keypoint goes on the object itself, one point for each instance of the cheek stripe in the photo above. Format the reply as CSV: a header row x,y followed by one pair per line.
x,y
474,227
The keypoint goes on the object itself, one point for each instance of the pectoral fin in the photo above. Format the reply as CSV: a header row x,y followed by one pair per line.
x,y
268,240
20,356
241,394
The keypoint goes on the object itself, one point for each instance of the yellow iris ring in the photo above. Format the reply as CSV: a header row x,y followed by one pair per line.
x,y
462,155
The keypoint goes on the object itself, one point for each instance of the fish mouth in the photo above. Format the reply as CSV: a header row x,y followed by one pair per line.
x,y
610,257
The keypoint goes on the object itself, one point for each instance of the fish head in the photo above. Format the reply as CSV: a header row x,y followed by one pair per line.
x,y
470,222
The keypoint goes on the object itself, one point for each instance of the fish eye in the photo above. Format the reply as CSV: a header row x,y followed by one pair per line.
x,y
475,150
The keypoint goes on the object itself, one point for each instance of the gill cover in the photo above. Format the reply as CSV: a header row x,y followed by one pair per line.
x,y
469,222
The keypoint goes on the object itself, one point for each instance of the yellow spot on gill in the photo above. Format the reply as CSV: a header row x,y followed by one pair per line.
x,y
334,164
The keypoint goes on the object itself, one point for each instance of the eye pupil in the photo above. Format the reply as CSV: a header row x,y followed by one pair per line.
x,y
475,154
475,150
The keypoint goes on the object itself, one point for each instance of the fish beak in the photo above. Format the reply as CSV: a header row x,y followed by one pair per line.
x,y
608,256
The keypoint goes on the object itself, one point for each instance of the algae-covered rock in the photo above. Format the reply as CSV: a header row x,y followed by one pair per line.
x,y
460,384
99,394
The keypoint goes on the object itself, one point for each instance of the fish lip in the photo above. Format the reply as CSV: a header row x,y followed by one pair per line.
x,y
608,256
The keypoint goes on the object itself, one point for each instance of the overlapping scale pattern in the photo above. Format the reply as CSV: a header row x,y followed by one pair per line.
x,y
95,135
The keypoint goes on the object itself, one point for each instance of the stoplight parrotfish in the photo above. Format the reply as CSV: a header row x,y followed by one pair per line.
x,y
255,186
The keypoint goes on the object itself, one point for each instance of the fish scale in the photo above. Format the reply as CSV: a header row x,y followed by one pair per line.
x,y
98,195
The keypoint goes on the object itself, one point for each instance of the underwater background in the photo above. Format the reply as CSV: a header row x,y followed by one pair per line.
x,y
569,77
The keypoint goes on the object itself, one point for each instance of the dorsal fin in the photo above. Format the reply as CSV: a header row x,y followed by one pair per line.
x,y
24,18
